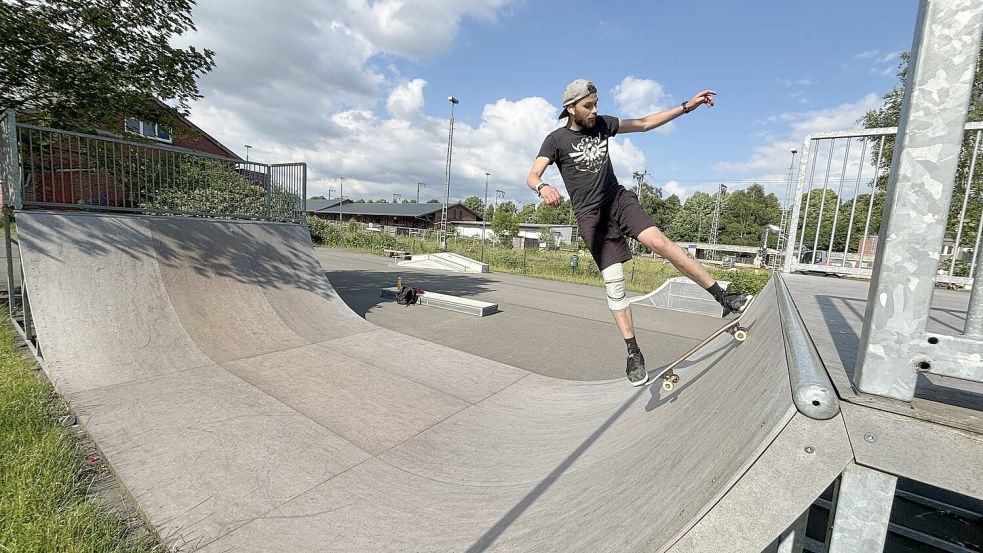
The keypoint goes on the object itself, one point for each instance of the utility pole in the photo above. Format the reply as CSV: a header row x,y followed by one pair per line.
x,y
418,186
786,210
640,177
484,221
715,226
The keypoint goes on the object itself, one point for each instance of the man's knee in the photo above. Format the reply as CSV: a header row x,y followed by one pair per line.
x,y
614,286
655,240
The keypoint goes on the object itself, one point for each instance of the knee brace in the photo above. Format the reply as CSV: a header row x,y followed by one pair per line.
x,y
614,285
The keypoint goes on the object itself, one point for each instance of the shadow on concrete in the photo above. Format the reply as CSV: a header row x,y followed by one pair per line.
x,y
844,318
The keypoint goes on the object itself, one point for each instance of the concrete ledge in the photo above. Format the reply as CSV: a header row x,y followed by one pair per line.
x,y
450,303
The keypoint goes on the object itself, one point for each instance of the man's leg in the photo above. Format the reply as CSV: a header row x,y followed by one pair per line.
x,y
614,286
624,322
655,240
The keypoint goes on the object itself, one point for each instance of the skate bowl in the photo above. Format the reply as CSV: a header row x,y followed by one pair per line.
x,y
244,407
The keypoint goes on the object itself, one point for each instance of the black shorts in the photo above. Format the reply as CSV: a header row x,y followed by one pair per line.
x,y
604,228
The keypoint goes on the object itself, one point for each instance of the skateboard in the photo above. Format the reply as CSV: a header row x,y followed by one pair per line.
x,y
734,327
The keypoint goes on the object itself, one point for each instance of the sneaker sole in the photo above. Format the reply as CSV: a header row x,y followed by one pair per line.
x,y
746,303
641,382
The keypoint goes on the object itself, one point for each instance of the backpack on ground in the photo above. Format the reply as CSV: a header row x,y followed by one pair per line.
x,y
407,295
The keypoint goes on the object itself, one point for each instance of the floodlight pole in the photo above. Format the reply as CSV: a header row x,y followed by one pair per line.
x,y
447,175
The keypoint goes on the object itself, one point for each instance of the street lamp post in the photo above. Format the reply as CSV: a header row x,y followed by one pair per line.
x,y
341,198
447,175
419,185
248,147
484,220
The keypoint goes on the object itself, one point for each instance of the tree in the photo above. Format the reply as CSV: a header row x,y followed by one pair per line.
x,y
527,214
433,201
745,214
889,115
317,198
505,223
549,215
474,203
692,221
77,63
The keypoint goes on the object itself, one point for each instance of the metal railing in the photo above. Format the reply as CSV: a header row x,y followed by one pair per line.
x,y
838,205
50,168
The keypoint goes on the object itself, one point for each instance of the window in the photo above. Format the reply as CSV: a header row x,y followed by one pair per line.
x,y
152,131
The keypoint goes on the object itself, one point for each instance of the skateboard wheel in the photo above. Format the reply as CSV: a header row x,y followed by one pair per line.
x,y
740,334
667,385
674,378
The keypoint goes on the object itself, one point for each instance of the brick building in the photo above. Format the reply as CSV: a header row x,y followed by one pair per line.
x,y
68,169
408,215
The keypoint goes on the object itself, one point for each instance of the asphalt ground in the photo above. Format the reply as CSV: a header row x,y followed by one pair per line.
x,y
550,328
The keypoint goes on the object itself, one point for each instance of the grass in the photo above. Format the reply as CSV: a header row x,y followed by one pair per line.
x,y
44,474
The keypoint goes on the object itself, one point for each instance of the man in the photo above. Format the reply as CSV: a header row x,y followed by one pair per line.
x,y
606,211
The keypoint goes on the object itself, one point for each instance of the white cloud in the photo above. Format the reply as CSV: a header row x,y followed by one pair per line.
x,y
420,28
673,187
406,100
322,82
634,98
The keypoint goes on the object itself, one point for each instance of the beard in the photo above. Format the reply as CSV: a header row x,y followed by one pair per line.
x,y
586,122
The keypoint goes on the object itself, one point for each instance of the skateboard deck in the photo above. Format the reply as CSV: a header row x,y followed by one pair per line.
x,y
734,327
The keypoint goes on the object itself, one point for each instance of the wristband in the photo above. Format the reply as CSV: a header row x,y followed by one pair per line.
x,y
539,189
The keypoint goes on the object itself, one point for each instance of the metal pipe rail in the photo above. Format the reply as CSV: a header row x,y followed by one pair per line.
x,y
812,391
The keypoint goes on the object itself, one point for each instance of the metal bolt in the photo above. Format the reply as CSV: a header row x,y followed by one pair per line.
x,y
870,438
810,450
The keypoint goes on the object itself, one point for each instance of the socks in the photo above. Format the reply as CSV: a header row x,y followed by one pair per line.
x,y
717,292
632,344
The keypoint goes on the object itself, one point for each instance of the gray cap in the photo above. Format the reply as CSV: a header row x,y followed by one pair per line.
x,y
574,92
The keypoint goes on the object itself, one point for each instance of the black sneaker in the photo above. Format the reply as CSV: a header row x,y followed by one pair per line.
x,y
735,303
636,372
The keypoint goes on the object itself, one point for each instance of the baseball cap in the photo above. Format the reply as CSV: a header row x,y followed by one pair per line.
x,y
574,92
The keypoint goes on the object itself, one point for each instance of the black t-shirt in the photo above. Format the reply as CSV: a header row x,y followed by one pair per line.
x,y
583,161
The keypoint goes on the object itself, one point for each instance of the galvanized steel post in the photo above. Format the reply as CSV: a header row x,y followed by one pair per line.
x,y
926,154
861,510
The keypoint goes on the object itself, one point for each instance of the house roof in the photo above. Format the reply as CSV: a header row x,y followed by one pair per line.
x,y
384,209
204,134
318,205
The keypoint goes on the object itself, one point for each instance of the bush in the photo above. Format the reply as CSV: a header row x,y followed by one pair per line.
x,y
210,186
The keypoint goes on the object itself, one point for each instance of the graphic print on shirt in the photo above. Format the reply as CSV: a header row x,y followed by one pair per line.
x,y
590,154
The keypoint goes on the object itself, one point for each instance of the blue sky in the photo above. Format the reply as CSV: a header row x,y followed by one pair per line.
x,y
358,89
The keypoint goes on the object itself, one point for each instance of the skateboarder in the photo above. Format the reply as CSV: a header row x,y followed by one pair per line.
x,y
606,211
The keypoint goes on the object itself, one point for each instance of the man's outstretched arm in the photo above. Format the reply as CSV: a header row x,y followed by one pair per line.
x,y
549,193
658,119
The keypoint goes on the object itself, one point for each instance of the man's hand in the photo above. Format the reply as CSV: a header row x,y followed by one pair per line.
x,y
551,196
705,97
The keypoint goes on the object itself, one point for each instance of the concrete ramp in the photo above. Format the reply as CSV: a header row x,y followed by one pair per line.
x,y
682,294
246,408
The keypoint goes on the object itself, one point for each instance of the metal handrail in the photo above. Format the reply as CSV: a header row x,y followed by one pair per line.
x,y
812,391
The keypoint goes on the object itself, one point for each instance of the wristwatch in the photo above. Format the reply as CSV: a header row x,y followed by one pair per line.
x,y
685,108
539,189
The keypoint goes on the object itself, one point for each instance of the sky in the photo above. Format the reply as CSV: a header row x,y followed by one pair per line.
x,y
358,89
